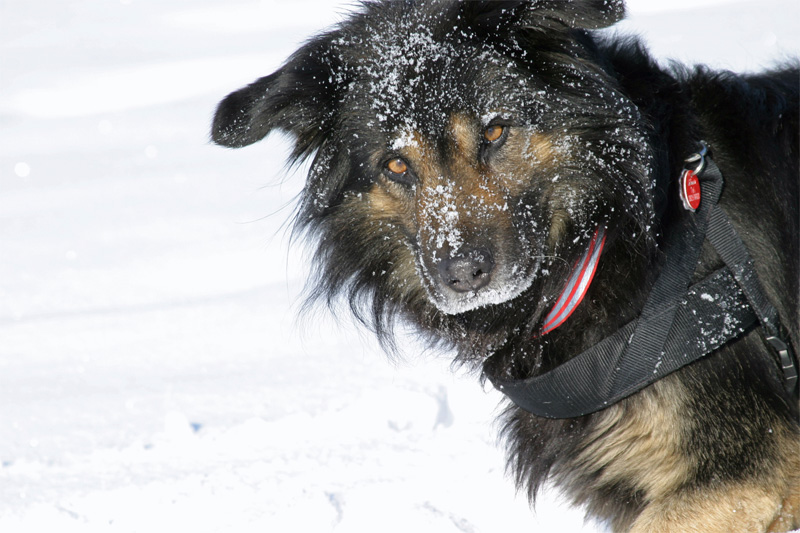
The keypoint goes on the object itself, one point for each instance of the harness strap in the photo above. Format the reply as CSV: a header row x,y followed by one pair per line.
x,y
593,380
676,326
723,237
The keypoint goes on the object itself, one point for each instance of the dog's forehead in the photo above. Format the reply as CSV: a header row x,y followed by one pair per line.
x,y
411,72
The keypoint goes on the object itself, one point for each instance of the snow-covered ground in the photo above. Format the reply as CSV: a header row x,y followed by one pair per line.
x,y
153,373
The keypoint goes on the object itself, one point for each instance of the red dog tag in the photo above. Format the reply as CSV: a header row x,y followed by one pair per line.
x,y
690,190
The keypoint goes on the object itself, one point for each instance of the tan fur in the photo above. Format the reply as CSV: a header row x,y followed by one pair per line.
x,y
384,201
773,506
788,518
558,226
532,154
541,149
640,442
529,155
384,205
735,509
464,134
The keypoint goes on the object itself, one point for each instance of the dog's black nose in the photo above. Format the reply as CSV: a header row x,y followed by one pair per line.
x,y
468,270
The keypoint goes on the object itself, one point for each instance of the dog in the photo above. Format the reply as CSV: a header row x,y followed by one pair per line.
x,y
505,179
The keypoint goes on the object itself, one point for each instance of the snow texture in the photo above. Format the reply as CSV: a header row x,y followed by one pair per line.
x,y
153,376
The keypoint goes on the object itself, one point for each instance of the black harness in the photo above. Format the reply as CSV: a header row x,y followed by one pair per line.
x,y
677,326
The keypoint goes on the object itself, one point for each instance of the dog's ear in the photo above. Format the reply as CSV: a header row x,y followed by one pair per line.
x,y
578,14
297,99
584,14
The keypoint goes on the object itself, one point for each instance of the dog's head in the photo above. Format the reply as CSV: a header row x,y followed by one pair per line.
x,y
463,152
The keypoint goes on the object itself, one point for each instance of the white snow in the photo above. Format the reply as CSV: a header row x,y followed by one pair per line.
x,y
153,376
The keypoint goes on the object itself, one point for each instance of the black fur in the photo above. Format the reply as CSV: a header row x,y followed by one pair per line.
x,y
345,93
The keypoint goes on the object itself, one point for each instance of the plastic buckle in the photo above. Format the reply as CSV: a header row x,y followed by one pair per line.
x,y
787,362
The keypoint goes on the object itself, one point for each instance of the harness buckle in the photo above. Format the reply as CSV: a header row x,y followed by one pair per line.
x,y
787,362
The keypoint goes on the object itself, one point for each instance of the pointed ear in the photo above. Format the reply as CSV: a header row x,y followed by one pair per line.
x,y
297,99
490,15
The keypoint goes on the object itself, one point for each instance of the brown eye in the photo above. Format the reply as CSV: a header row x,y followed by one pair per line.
x,y
492,133
397,166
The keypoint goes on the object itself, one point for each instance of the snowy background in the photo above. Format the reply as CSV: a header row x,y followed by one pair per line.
x,y
153,373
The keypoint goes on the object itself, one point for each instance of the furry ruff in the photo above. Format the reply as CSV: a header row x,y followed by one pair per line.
x,y
463,154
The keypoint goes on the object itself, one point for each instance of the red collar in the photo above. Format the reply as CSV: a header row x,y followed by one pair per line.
x,y
578,283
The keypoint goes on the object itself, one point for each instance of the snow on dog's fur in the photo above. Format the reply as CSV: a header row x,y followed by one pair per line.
x,y
463,155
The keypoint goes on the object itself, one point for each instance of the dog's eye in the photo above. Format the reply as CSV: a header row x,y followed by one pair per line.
x,y
494,136
397,166
493,133
397,170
